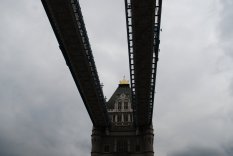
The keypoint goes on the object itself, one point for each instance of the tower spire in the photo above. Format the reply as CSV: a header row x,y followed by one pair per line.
x,y
124,81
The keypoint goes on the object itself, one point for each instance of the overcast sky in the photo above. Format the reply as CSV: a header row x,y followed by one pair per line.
x,y
42,114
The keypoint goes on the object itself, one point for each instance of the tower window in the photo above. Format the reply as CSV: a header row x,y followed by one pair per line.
x,y
119,118
137,148
122,146
126,106
119,105
125,117
106,148
113,117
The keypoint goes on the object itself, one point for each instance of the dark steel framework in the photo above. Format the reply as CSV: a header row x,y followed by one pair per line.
x,y
67,22
143,30
143,48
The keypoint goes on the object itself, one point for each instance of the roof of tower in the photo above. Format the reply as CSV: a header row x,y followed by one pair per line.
x,y
122,88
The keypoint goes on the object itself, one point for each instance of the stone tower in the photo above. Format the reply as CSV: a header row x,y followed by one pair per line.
x,y
122,138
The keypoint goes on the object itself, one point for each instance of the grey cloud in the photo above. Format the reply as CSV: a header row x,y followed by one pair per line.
x,y
226,35
41,112
224,28
41,109
193,101
105,22
225,23
199,151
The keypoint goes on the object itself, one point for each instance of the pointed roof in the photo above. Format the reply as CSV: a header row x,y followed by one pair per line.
x,y
122,88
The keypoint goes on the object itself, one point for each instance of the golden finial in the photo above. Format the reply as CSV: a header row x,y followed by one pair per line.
x,y
124,81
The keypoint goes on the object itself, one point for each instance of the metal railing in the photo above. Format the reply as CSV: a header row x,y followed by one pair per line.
x,y
129,24
158,7
89,55
128,11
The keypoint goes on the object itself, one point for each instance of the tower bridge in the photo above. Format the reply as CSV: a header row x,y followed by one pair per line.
x,y
123,125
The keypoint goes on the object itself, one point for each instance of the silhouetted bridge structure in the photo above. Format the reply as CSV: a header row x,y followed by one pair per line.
x,y
143,30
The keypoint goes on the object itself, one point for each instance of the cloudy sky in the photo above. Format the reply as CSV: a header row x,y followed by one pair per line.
x,y
42,114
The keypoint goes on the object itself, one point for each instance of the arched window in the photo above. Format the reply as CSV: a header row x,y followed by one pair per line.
x,y
126,105
125,117
113,117
118,118
119,105
122,146
106,148
137,148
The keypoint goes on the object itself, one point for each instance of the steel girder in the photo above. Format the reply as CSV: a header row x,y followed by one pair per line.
x,y
67,22
143,29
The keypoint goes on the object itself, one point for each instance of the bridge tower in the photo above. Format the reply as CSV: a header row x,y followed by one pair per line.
x,y
122,138
123,125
